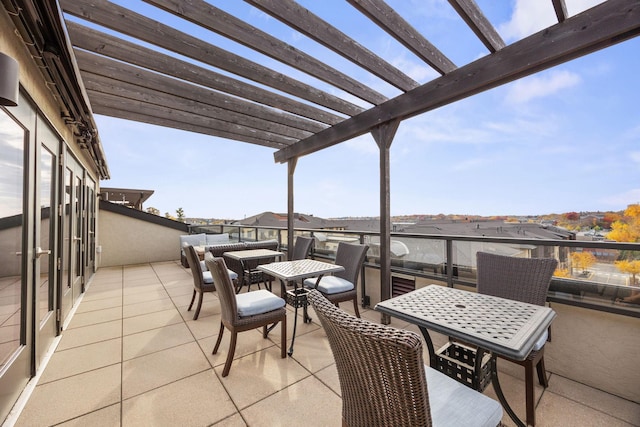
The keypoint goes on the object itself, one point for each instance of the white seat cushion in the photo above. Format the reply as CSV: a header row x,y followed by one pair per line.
x,y
330,284
455,405
208,278
540,343
257,302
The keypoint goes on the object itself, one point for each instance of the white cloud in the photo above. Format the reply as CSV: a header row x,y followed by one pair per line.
x,y
541,85
531,16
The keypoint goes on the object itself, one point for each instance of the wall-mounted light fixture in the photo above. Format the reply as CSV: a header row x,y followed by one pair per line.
x,y
8,81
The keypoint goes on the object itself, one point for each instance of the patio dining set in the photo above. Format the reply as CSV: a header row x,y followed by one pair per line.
x,y
383,378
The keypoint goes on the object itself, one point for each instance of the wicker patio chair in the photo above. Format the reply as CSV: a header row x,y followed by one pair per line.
x,y
202,279
526,280
246,311
384,381
301,247
342,286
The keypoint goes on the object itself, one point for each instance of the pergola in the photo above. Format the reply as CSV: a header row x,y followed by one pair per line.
x,y
217,92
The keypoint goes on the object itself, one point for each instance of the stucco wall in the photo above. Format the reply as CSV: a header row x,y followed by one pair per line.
x,y
126,240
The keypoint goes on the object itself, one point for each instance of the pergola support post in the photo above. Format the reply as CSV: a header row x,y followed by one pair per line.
x,y
291,168
383,136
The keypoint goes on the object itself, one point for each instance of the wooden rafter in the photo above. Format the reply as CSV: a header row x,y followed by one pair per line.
x,y
387,19
479,24
609,23
216,20
295,16
143,28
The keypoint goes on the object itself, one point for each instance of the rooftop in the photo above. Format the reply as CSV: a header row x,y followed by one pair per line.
x,y
131,355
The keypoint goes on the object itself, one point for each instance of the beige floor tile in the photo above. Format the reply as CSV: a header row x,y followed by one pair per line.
x,y
77,360
514,391
555,410
329,376
623,409
145,322
99,304
106,417
94,317
161,368
69,398
198,400
142,343
142,286
308,402
233,421
102,293
267,373
146,307
205,326
90,334
248,342
312,351
155,293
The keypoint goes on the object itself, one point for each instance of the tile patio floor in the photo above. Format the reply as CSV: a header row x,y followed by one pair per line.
x,y
132,356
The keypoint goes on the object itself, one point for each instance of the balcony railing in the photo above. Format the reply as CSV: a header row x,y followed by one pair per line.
x,y
451,259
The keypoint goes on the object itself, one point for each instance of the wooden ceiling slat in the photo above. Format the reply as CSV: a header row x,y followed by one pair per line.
x,y
560,7
604,25
104,44
114,70
189,127
217,20
224,129
101,84
135,25
387,19
479,24
304,21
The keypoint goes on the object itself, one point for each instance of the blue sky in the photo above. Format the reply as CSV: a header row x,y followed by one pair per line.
x,y
566,139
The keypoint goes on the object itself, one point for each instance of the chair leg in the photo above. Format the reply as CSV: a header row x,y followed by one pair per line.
x,y
264,331
232,351
529,394
193,298
542,373
197,313
283,337
355,306
215,348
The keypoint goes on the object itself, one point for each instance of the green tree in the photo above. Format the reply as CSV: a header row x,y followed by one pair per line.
x,y
180,214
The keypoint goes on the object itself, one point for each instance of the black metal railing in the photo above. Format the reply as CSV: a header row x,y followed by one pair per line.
x,y
451,259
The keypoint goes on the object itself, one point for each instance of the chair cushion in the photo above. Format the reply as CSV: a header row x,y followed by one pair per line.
x,y
193,239
330,284
208,278
257,302
456,405
540,343
215,239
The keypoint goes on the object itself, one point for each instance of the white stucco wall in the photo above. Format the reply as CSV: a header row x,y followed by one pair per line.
x,y
124,240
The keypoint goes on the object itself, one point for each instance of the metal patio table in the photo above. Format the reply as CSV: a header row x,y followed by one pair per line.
x,y
251,255
497,326
294,271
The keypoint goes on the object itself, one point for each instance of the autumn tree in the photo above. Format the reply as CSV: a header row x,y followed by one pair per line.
x,y
627,229
629,267
583,260
571,216
153,211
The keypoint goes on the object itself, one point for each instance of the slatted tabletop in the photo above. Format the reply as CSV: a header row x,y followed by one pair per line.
x,y
506,327
299,269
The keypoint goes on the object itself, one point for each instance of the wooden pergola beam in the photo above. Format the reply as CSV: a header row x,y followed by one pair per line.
x,y
479,24
221,22
304,21
604,25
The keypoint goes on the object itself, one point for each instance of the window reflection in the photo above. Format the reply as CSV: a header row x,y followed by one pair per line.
x,y
12,139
